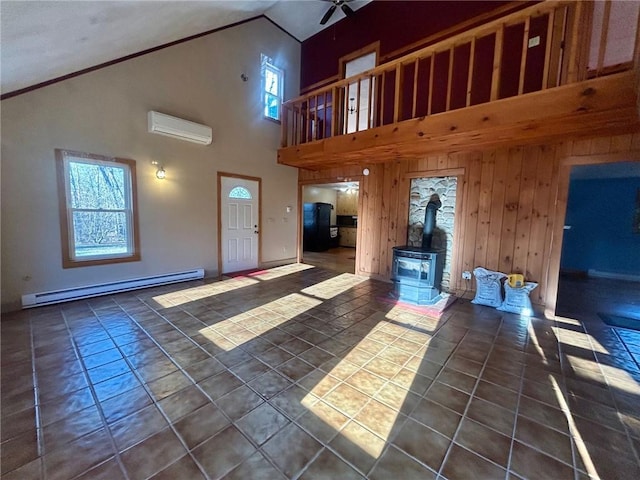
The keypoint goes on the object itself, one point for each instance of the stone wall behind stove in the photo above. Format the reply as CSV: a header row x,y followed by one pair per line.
x,y
421,191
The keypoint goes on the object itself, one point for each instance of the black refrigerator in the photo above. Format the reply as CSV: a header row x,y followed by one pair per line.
x,y
317,218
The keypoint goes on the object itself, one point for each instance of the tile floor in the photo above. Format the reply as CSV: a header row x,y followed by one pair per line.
x,y
300,372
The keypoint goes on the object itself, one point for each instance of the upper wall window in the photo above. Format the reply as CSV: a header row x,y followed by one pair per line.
x,y
272,88
98,209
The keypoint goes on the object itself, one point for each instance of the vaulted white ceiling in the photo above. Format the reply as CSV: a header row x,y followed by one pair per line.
x,y
44,40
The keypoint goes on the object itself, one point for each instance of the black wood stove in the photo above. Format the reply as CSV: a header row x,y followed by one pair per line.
x,y
417,271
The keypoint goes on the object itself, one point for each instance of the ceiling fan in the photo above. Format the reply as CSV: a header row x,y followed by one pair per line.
x,y
348,11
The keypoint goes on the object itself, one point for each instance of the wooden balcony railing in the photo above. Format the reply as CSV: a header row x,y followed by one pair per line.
x,y
547,45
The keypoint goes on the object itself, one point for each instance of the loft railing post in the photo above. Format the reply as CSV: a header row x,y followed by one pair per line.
x,y
397,107
575,70
523,58
284,128
334,111
497,63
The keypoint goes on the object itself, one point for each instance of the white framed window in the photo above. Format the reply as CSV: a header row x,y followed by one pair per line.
x,y
272,88
98,209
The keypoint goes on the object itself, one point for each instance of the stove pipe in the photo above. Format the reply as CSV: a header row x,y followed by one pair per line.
x,y
430,221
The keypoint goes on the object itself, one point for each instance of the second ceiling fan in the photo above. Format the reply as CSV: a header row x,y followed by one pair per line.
x,y
348,11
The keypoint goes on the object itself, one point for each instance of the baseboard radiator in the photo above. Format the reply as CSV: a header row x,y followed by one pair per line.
x,y
68,294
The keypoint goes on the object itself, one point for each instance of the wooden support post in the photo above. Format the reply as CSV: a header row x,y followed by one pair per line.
x,y
431,68
472,52
604,32
383,88
523,58
416,64
573,65
450,77
284,130
357,107
397,102
547,49
497,62
324,114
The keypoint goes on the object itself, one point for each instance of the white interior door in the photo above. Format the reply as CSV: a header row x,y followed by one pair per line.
x,y
240,229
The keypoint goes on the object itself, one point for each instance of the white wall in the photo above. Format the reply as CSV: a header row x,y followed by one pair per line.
x,y
105,112
312,194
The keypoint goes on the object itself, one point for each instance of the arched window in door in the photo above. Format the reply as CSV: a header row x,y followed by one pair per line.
x,y
240,192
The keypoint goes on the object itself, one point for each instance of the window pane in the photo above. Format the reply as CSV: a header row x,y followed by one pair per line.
x,y
96,186
100,233
240,192
271,106
271,82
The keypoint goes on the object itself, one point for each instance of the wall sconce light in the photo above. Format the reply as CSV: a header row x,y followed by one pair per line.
x,y
365,171
352,108
160,173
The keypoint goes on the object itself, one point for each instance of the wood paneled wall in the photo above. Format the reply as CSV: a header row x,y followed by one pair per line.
x,y
507,215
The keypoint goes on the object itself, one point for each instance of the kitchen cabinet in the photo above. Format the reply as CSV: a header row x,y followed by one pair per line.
x,y
347,203
348,236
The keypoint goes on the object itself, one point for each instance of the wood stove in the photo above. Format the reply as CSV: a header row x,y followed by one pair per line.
x,y
417,271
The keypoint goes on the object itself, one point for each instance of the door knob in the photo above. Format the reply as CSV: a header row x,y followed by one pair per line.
x,y
256,231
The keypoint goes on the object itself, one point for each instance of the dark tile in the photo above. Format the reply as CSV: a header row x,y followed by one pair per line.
x,y
295,369
220,454
185,468
484,441
395,464
492,416
256,467
137,427
152,455
205,369
239,402
116,386
328,466
109,470
201,425
274,357
269,384
530,463
449,397
62,432
496,394
422,443
463,464
18,451
190,356
458,380
250,369
182,403
220,384
262,423
108,356
291,449
437,417
79,456
543,413
125,404
65,405
293,402
544,439
18,423
172,383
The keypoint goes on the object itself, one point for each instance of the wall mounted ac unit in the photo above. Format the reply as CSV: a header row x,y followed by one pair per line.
x,y
179,128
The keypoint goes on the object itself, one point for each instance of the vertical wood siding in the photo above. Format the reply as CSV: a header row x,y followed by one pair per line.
x,y
506,207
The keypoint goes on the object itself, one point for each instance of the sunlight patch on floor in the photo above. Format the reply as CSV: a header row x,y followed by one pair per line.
x,y
342,389
244,327
334,286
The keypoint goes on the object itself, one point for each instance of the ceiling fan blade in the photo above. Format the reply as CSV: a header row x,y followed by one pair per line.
x,y
327,15
348,11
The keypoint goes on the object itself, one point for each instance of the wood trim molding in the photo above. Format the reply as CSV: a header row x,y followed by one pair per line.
x,y
67,261
445,172
219,212
367,49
